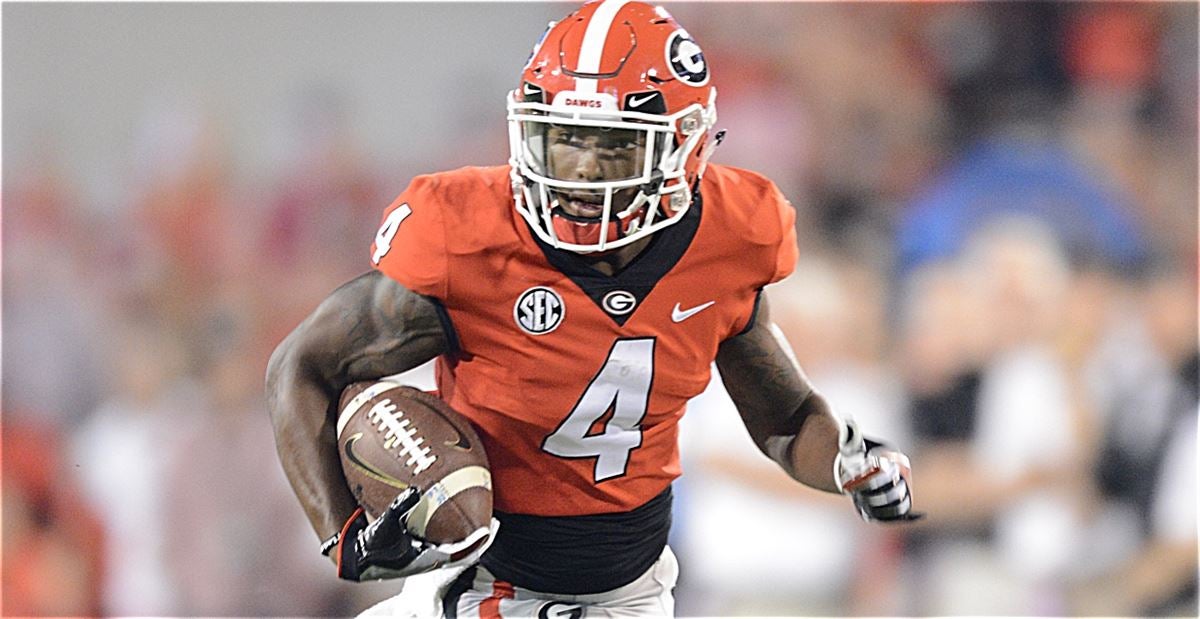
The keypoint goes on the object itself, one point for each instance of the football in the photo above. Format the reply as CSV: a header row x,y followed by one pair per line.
x,y
391,437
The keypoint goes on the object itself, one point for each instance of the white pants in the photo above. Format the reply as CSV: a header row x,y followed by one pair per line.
x,y
651,595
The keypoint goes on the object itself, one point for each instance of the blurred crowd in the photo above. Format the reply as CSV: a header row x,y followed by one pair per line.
x,y
997,215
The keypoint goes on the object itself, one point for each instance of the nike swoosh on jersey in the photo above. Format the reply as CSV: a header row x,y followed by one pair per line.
x,y
680,315
368,468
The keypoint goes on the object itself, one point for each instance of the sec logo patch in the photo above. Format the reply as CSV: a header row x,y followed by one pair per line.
x,y
539,310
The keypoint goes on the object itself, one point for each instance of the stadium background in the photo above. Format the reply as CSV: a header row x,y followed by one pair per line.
x,y
997,213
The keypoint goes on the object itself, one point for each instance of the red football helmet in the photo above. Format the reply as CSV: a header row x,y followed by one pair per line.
x,y
612,119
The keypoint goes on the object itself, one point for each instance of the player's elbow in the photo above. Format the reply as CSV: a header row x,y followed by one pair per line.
x,y
288,372
280,366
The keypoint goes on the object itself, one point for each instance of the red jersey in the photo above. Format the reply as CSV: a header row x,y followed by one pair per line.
x,y
576,380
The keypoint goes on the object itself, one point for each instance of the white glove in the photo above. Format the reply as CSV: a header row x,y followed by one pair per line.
x,y
874,475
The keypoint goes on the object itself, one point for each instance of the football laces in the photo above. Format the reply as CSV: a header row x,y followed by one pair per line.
x,y
399,431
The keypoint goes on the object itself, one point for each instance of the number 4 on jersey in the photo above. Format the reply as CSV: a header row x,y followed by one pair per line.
x,y
387,231
623,387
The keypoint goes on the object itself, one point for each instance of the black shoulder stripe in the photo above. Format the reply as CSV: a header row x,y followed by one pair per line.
x,y
455,348
753,314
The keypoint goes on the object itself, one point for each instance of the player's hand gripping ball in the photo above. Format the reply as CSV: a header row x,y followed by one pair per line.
x,y
392,437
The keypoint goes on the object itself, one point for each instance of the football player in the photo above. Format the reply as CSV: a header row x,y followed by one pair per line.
x,y
574,300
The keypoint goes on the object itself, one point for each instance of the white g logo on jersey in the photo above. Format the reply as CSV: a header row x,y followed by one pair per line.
x,y
539,310
618,302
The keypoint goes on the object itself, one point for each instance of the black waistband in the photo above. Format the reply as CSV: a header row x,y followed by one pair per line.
x,y
575,555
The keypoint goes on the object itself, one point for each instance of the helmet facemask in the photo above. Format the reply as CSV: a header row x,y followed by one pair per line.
x,y
635,179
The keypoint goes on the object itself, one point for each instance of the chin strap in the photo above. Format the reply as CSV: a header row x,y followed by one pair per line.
x,y
718,137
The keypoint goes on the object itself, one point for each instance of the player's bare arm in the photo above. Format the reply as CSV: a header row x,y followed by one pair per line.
x,y
795,426
786,417
370,327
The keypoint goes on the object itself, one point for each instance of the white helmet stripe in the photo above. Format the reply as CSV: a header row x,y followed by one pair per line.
x,y
593,42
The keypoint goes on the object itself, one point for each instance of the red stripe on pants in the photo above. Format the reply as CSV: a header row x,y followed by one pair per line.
x,y
490,608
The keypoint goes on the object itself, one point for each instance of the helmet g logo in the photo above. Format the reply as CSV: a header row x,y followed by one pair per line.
x,y
539,310
686,60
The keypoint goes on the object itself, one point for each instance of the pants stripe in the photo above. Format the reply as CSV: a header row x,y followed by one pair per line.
x,y
490,608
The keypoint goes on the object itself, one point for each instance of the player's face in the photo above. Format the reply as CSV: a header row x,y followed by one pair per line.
x,y
593,154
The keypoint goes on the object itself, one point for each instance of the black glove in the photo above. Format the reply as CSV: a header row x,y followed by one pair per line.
x,y
385,549
381,549
875,476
